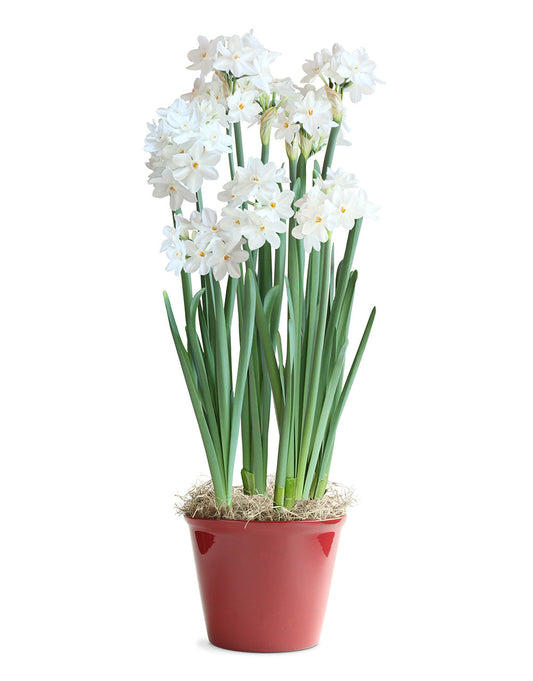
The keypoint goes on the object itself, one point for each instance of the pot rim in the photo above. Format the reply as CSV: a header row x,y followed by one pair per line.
x,y
271,522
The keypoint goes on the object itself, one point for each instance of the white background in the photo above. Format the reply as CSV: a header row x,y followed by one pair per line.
x,y
433,579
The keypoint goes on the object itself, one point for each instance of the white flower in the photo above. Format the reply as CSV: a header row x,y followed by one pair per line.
x,y
199,89
226,258
195,166
261,77
327,206
318,67
243,107
176,254
261,227
245,56
285,129
198,257
232,193
167,184
204,55
314,114
312,219
180,230
356,68
337,178
363,207
235,57
183,120
158,136
207,226
170,233
346,206
258,181
215,139
343,208
210,98
279,205
234,221
283,87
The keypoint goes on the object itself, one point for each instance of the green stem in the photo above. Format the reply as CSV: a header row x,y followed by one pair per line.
x,y
328,157
265,148
238,144
293,163
310,415
230,156
199,201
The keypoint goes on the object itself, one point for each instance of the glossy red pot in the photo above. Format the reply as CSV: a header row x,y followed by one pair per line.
x,y
264,585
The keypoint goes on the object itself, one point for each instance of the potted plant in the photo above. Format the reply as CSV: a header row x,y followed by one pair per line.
x,y
267,308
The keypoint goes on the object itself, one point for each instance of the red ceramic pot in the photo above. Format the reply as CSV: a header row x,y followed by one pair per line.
x,y
264,585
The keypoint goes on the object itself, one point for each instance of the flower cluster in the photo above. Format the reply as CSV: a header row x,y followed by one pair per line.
x,y
235,85
201,244
304,119
185,146
255,213
352,71
257,207
236,55
334,202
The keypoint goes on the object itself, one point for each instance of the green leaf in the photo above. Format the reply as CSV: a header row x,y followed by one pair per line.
x,y
297,189
215,468
222,371
324,417
247,333
271,302
268,351
340,404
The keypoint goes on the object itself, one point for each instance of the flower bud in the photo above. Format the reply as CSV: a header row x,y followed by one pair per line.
x,y
266,124
336,103
264,101
292,149
306,144
223,80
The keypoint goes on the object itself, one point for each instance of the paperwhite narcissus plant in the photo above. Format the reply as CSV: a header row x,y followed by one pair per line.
x,y
268,218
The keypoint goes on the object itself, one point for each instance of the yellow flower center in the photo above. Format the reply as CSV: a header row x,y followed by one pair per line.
x,y
255,179
201,254
343,209
241,106
286,124
195,165
310,112
226,257
172,189
214,228
319,219
273,204
262,228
